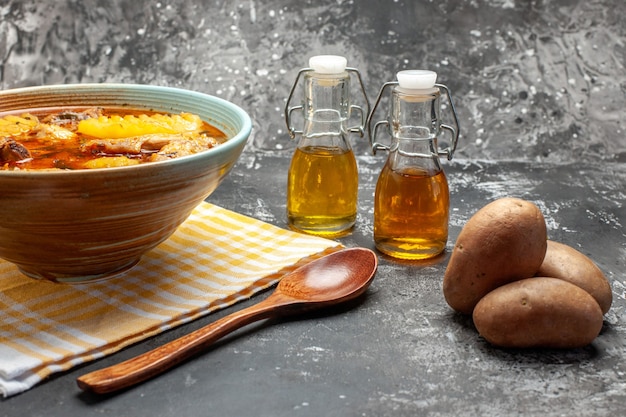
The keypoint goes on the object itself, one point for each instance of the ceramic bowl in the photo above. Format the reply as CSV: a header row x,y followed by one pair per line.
x,y
80,225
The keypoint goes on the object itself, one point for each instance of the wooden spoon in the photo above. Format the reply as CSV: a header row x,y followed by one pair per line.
x,y
327,281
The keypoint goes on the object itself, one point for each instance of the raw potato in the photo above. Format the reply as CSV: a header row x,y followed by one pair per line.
x,y
538,313
564,262
502,242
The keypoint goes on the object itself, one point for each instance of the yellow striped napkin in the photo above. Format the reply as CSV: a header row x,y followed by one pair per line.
x,y
216,258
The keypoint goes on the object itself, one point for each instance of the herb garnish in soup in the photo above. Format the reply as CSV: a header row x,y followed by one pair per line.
x,y
100,138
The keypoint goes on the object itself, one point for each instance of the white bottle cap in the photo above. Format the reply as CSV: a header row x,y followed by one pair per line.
x,y
328,64
417,79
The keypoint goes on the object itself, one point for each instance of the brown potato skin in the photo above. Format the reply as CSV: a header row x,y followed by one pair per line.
x,y
502,242
566,263
539,312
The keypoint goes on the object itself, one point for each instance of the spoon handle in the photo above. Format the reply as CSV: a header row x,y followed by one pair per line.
x,y
152,363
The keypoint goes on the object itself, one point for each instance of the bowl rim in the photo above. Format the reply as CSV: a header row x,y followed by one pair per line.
x,y
239,139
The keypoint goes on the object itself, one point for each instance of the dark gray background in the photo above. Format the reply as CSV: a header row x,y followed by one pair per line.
x,y
533,79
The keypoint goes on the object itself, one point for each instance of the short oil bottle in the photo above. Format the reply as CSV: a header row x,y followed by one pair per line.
x,y
412,199
322,185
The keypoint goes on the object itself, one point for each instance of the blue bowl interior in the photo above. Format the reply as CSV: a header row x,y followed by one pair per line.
x,y
224,115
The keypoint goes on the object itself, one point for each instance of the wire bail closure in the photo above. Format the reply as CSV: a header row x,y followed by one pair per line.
x,y
360,129
373,134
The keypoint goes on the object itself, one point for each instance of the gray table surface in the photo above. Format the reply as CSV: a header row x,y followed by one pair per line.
x,y
539,86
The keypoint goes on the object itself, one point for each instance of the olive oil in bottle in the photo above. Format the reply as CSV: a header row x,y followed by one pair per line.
x,y
411,207
322,185
411,202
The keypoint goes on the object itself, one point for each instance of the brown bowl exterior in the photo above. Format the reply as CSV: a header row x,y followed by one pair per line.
x,y
73,226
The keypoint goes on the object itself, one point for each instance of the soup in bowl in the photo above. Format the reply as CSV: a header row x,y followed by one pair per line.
x,y
69,221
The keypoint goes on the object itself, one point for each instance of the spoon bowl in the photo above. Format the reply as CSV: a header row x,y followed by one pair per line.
x,y
333,279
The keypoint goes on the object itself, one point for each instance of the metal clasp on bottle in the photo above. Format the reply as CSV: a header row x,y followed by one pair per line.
x,y
360,129
373,134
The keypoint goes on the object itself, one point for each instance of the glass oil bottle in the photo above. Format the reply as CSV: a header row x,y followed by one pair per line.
x,y
322,185
411,202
